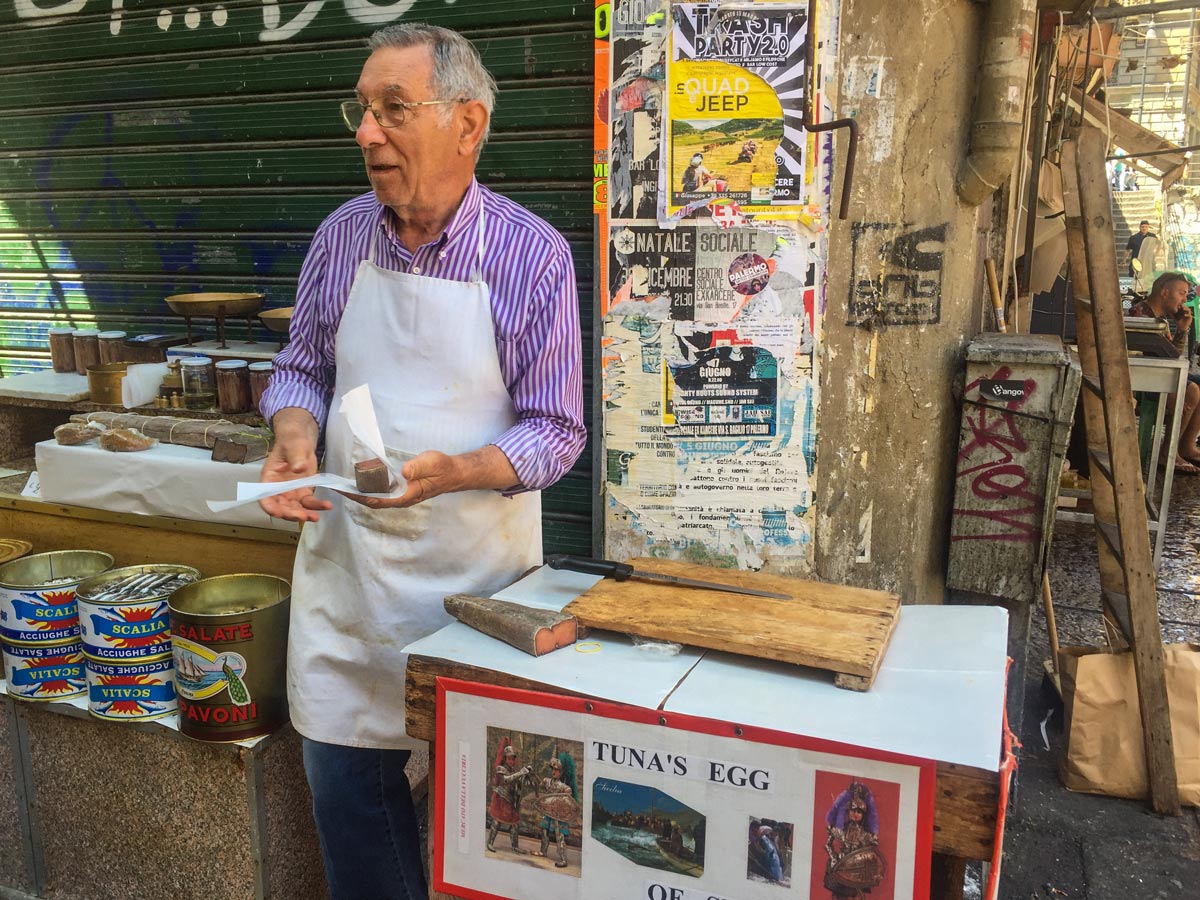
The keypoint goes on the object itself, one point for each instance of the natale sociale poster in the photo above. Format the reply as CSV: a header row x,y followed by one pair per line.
x,y
542,796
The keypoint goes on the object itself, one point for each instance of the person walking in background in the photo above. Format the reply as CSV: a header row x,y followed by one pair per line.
x,y
1134,245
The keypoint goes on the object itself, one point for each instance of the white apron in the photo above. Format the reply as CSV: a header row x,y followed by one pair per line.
x,y
368,582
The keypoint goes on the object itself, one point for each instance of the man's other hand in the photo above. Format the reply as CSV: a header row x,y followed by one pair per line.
x,y
293,456
433,473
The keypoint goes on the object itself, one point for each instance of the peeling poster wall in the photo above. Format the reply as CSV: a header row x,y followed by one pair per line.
x,y
713,286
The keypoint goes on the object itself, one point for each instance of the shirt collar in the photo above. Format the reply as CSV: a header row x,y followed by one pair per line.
x,y
461,222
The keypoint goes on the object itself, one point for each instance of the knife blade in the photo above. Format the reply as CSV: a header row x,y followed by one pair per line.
x,y
619,571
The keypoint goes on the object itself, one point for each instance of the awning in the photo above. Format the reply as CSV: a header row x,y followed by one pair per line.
x,y
1169,162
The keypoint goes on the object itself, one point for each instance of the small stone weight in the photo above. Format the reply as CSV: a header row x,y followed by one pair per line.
x,y
372,477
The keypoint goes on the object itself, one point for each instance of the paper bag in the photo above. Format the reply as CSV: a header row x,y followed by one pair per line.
x,y
1104,751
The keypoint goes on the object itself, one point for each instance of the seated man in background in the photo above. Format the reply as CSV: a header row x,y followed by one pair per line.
x,y
1167,302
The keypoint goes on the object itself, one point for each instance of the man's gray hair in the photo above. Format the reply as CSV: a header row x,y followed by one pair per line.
x,y
458,73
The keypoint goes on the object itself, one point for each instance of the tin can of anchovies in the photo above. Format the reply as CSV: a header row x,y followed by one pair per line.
x,y
123,615
37,594
44,671
229,636
137,691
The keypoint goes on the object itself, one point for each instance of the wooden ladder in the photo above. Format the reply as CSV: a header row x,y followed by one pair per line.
x,y
1127,576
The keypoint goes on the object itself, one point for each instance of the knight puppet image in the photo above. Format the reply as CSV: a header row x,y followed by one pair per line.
x,y
558,802
852,837
508,785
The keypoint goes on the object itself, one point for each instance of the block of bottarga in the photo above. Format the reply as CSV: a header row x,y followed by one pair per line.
x,y
535,631
372,477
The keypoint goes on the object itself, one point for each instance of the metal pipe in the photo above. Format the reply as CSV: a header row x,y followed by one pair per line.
x,y
1150,153
999,106
1145,66
1040,100
1121,12
810,111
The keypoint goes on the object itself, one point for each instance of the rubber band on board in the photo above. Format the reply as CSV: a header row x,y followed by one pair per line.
x,y
587,647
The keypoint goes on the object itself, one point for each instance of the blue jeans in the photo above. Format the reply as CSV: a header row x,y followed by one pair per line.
x,y
366,822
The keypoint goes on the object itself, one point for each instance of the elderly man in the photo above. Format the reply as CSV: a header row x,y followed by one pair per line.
x,y
459,309
1168,301
1133,246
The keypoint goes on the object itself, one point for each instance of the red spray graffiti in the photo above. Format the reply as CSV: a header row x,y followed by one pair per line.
x,y
998,479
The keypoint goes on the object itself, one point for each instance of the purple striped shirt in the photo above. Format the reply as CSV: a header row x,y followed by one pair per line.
x,y
535,312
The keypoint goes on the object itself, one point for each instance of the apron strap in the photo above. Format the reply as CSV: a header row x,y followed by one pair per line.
x,y
479,257
375,234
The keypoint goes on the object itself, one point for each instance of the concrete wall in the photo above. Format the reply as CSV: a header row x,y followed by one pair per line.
x,y
903,298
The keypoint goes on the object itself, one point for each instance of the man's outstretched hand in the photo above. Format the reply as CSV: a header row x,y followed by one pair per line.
x,y
293,456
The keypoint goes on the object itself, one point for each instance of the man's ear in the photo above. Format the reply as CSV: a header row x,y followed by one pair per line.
x,y
472,123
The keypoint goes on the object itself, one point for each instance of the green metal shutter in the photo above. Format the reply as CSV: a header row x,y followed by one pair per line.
x,y
148,150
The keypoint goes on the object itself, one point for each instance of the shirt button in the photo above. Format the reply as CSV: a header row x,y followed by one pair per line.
x,y
416,270
442,255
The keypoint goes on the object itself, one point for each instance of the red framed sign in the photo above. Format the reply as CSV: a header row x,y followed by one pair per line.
x,y
540,795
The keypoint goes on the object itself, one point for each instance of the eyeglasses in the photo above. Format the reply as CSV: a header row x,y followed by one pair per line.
x,y
393,115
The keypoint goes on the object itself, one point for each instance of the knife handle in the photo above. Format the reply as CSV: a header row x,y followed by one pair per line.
x,y
606,568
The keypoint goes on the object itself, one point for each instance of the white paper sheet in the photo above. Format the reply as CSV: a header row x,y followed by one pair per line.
x,y
141,383
939,693
359,412
606,665
546,588
33,487
253,491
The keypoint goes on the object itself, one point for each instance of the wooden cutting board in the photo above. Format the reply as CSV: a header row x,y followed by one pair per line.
x,y
843,630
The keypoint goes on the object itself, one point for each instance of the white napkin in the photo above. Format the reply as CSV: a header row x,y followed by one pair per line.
x,y
141,382
359,413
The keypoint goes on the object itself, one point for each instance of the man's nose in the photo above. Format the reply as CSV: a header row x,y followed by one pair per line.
x,y
369,132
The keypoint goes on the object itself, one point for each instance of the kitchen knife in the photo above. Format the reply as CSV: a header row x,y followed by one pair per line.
x,y
619,571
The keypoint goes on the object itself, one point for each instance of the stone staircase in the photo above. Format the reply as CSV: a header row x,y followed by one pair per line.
x,y
1129,209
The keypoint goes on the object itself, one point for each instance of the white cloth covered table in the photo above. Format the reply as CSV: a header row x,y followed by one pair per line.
x,y
939,693
166,480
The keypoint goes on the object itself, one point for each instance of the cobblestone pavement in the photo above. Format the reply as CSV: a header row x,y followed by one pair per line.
x,y
1079,846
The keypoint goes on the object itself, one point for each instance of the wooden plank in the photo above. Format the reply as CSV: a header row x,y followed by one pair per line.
x,y
964,817
841,629
136,540
1128,489
1112,575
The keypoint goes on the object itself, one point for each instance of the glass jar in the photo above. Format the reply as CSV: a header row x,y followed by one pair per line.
x,y
62,349
233,386
260,377
199,382
172,383
112,346
86,343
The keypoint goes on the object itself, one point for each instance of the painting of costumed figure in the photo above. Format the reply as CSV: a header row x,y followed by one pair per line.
x,y
558,801
854,838
510,780
533,801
